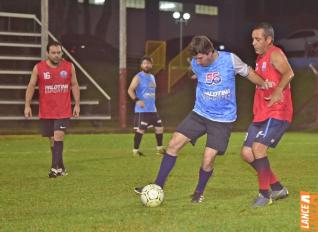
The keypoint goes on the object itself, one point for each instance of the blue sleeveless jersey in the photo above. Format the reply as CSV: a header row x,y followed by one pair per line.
x,y
146,91
215,92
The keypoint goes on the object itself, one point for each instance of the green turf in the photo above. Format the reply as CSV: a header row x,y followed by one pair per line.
x,y
98,196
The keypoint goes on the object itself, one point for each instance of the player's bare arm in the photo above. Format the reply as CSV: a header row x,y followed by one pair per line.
x,y
29,93
192,75
76,93
280,62
132,94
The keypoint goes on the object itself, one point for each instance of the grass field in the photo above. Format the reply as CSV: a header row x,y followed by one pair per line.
x,y
97,195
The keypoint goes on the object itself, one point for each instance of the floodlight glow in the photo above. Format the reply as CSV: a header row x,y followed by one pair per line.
x,y
186,16
176,15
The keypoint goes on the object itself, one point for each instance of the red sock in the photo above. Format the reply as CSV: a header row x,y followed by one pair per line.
x,y
273,178
264,175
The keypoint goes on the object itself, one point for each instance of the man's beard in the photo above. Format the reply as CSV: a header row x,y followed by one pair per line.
x,y
146,70
56,63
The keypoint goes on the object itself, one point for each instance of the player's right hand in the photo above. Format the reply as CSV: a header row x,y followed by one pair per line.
x,y
268,84
27,112
141,103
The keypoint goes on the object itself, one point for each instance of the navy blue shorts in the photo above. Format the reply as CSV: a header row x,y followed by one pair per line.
x,y
268,132
51,125
146,120
218,133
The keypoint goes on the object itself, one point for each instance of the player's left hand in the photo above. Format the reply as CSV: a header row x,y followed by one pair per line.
x,y
275,97
193,77
76,111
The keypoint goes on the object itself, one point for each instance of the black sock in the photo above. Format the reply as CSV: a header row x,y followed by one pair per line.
x,y
159,138
57,153
264,192
253,165
277,186
61,163
52,152
137,140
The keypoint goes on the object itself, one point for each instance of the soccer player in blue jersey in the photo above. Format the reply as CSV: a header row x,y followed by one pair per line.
x,y
142,91
214,110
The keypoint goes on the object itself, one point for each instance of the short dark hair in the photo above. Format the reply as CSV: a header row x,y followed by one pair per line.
x,y
146,57
52,43
201,44
268,29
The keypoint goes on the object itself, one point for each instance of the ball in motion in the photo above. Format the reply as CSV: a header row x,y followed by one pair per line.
x,y
152,195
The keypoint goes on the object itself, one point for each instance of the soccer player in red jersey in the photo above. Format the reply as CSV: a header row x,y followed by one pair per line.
x,y
272,113
56,79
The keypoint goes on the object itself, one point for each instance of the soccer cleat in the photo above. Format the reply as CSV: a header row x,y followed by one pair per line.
x,y
262,201
161,151
138,190
53,173
197,197
137,153
280,194
61,172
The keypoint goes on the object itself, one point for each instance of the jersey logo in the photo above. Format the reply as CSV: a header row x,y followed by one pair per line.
x,y
63,74
151,85
260,133
264,66
213,78
47,75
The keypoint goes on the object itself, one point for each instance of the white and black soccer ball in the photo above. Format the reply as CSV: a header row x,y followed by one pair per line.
x,y
152,195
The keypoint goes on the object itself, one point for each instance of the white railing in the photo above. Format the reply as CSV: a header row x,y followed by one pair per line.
x,y
89,77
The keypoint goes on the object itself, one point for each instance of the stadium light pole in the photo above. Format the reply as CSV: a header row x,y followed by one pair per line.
x,y
45,25
122,64
181,19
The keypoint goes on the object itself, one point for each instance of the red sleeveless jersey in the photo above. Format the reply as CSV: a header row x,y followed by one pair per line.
x,y
54,90
282,110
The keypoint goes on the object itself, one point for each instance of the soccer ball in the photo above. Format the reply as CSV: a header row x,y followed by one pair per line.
x,y
152,195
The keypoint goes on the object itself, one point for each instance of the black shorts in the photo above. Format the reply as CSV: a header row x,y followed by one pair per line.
x,y
48,126
145,120
218,133
267,133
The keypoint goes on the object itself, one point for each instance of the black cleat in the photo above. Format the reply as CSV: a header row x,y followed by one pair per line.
x,y
280,194
62,172
53,173
137,153
197,197
138,190
161,151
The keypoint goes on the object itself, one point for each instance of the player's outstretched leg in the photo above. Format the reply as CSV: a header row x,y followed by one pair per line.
x,y
177,141
167,163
